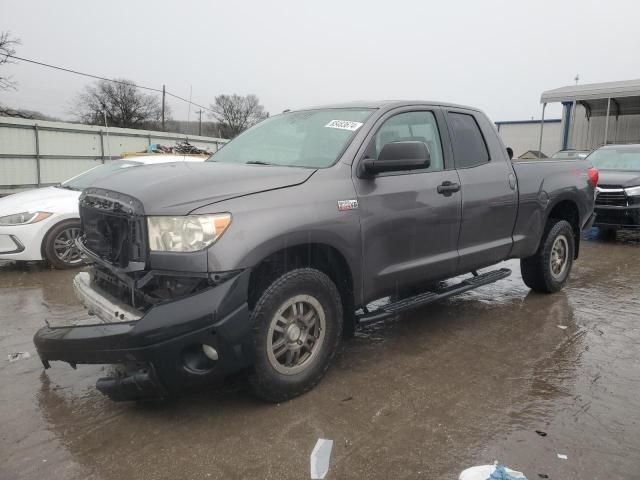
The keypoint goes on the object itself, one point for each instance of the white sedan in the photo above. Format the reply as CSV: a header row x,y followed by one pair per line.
x,y
42,224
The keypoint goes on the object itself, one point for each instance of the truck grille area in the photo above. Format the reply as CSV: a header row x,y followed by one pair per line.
x,y
113,227
612,196
114,234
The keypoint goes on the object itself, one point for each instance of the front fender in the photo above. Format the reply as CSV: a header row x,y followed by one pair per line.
x,y
267,222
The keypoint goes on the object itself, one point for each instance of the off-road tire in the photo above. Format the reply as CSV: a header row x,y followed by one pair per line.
x,y
536,270
265,381
48,251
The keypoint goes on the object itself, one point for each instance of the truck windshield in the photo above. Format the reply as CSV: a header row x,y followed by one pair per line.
x,y
312,138
619,158
84,180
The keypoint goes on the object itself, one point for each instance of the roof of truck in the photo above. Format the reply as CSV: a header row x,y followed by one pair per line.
x,y
387,104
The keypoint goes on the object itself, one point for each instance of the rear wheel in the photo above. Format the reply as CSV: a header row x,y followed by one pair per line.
x,y
548,270
59,245
297,329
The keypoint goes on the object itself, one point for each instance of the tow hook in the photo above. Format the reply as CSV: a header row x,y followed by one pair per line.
x,y
137,384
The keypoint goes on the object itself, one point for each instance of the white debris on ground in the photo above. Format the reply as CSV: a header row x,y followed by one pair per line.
x,y
491,472
320,457
562,456
14,357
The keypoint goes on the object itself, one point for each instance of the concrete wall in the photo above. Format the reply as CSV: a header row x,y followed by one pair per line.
x,y
525,135
37,153
589,134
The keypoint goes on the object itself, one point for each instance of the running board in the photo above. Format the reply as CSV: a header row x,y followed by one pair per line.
x,y
407,304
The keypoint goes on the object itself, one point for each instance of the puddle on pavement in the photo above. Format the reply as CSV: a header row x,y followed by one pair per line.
x,y
460,382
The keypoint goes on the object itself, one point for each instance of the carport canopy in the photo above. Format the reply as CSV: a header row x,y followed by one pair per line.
x,y
598,99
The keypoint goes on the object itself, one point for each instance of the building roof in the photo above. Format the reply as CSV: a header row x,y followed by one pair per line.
x,y
592,91
533,154
520,122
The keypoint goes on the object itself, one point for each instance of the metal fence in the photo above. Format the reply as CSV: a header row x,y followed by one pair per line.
x,y
40,153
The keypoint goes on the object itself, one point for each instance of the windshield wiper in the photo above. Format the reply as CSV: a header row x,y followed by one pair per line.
x,y
257,162
67,187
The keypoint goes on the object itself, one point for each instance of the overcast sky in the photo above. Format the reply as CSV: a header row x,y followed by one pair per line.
x,y
496,55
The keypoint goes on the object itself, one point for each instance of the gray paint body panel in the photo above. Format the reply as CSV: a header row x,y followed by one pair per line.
x,y
489,204
542,186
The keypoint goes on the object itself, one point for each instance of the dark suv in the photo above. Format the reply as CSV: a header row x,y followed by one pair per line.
x,y
618,194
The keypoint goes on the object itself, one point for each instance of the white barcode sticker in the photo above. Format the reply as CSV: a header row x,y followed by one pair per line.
x,y
344,125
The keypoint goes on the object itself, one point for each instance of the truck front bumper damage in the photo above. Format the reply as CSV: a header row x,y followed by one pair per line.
x,y
174,346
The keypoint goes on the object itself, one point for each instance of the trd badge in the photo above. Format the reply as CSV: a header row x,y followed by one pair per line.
x,y
344,205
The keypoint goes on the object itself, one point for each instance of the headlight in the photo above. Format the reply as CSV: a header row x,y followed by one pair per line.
x,y
186,234
632,192
23,218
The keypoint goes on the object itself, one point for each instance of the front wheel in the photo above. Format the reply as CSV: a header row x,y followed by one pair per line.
x,y
297,327
548,270
59,246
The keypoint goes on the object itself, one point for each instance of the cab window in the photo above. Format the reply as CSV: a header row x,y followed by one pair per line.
x,y
469,147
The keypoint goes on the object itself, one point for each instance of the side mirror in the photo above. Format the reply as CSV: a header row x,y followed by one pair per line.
x,y
399,156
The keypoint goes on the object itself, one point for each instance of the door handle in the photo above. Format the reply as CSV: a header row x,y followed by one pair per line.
x,y
447,188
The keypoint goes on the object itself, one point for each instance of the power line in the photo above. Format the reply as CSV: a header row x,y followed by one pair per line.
x,y
187,101
83,74
98,77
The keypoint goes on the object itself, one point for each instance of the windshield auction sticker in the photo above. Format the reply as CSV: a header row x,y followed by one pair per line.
x,y
344,125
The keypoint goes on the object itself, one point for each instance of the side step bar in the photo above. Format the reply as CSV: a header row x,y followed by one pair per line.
x,y
407,304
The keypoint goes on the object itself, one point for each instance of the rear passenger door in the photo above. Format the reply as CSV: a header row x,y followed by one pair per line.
x,y
489,196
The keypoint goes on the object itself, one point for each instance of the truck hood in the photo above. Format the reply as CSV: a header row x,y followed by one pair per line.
x,y
180,188
48,199
622,178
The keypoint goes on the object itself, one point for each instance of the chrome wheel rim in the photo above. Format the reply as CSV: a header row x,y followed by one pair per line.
x,y
296,334
559,256
64,246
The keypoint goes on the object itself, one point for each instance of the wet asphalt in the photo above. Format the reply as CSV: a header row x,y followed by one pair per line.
x,y
458,383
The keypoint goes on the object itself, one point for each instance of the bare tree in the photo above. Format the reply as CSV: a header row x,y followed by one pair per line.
x,y
7,48
26,114
123,103
236,113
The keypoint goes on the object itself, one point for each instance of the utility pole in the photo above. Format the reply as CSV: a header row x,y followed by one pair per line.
x,y
163,98
106,126
199,112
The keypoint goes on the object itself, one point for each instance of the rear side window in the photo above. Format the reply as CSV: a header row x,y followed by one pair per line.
x,y
469,147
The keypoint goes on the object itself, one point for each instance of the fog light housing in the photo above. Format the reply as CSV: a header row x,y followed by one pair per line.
x,y
210,352
199,358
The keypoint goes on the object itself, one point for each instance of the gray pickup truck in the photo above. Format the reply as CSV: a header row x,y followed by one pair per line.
x,y
263,258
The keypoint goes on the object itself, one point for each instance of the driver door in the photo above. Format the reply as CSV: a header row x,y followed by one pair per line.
x,y
409,229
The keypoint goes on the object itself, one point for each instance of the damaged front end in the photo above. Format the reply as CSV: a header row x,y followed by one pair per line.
x,y
136,292
167,329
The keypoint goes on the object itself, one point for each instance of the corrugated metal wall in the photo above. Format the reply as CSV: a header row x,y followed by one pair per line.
x,y
37,153
589,134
